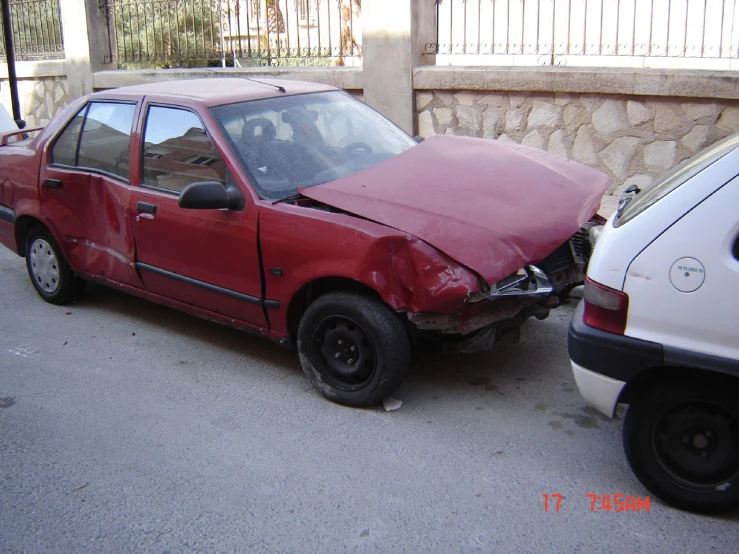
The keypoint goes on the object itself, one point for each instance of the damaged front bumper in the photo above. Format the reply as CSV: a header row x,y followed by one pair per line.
x,y
497,312
505,300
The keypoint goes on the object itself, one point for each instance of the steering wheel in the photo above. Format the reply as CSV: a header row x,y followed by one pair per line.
x,y
359,146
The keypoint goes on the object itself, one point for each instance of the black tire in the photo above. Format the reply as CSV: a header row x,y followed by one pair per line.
x,y
682,442
372,343
55,281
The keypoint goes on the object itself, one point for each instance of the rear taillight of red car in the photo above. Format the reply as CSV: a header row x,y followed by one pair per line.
x,y
605,308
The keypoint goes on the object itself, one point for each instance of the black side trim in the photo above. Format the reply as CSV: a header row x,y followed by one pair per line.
x,y
7,214
272,304
697,360
53,184
200,284
611,355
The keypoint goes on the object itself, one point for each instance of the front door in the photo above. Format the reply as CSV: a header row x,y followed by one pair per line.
x,y
85,191
204,258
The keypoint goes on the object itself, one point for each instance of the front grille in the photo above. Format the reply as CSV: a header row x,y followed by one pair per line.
x,y
559,260
575,251
581,247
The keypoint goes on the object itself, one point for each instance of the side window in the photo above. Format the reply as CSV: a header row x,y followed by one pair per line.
x,y
177,151
106,138
64,151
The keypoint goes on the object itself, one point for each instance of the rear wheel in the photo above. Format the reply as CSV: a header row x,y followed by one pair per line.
x,y
682,442
353,348
48,269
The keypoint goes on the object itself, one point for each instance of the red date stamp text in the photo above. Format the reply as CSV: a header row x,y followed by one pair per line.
x,y
617,503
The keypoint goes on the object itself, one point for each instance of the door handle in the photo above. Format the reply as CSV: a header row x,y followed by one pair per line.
x,y
147,208
52,183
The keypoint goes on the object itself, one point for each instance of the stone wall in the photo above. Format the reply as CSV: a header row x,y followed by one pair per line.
x,y
40,98
631,138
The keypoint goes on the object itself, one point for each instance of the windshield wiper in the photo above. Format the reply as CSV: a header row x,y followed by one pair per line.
x,y
627,196
621,205
297,196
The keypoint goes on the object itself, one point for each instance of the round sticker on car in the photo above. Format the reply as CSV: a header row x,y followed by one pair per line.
x,y
687,275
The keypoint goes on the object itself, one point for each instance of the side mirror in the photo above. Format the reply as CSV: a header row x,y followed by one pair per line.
x,y
419,139
211,195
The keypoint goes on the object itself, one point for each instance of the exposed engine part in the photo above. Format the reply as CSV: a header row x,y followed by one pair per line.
x,y
483,339
479,341
567,265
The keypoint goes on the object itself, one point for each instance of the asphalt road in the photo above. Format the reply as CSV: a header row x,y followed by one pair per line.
x,y
128,427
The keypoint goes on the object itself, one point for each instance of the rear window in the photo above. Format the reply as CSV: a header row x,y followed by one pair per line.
x,y
674,178
106,138
105,142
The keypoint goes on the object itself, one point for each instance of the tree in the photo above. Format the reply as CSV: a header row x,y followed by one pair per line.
x,y
36,30
176,33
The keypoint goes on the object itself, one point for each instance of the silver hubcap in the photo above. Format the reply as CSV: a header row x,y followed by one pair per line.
x,y
44,266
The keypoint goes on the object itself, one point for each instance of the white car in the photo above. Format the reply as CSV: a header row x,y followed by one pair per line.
x,y
658,329
6,121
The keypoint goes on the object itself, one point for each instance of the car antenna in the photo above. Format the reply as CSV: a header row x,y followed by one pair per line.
x,y
278,87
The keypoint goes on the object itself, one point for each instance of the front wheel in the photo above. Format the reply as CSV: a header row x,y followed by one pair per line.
x,y
682,442
353,348
49,271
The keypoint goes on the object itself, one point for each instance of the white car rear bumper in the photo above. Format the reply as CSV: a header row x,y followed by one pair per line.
x,y
600,391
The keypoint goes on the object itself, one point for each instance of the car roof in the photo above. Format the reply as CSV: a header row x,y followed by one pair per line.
x,y
220,90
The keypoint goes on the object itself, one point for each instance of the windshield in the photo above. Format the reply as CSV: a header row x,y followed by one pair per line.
x,y
674,178
290,142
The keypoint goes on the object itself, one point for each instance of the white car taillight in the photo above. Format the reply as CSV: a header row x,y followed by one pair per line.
x,y
605,308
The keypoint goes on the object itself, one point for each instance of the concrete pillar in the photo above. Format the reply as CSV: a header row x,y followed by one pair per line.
x,y
86,43
387,60
394,36
423,31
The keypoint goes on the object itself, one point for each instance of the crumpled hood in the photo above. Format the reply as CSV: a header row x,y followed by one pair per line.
x,y
491,206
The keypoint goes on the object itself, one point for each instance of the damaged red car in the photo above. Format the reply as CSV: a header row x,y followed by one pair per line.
x,y
295,211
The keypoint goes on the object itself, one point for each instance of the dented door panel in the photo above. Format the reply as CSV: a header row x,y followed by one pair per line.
x,y
90,215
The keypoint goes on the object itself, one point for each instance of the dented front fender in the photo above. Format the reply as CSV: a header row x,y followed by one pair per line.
x,y
429,280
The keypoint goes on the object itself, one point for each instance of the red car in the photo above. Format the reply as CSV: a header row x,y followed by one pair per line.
x,y
294,211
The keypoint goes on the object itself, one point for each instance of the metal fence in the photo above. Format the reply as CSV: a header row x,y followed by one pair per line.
x,y
560,28
37,30
191,33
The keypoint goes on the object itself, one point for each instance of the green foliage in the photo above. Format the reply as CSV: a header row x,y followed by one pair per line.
x,y
187,33
36,30
167,34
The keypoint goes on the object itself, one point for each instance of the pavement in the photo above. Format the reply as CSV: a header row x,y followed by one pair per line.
x,y
129,427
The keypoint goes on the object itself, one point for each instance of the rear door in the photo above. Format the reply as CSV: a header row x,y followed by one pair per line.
x,y
204,258
85,190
